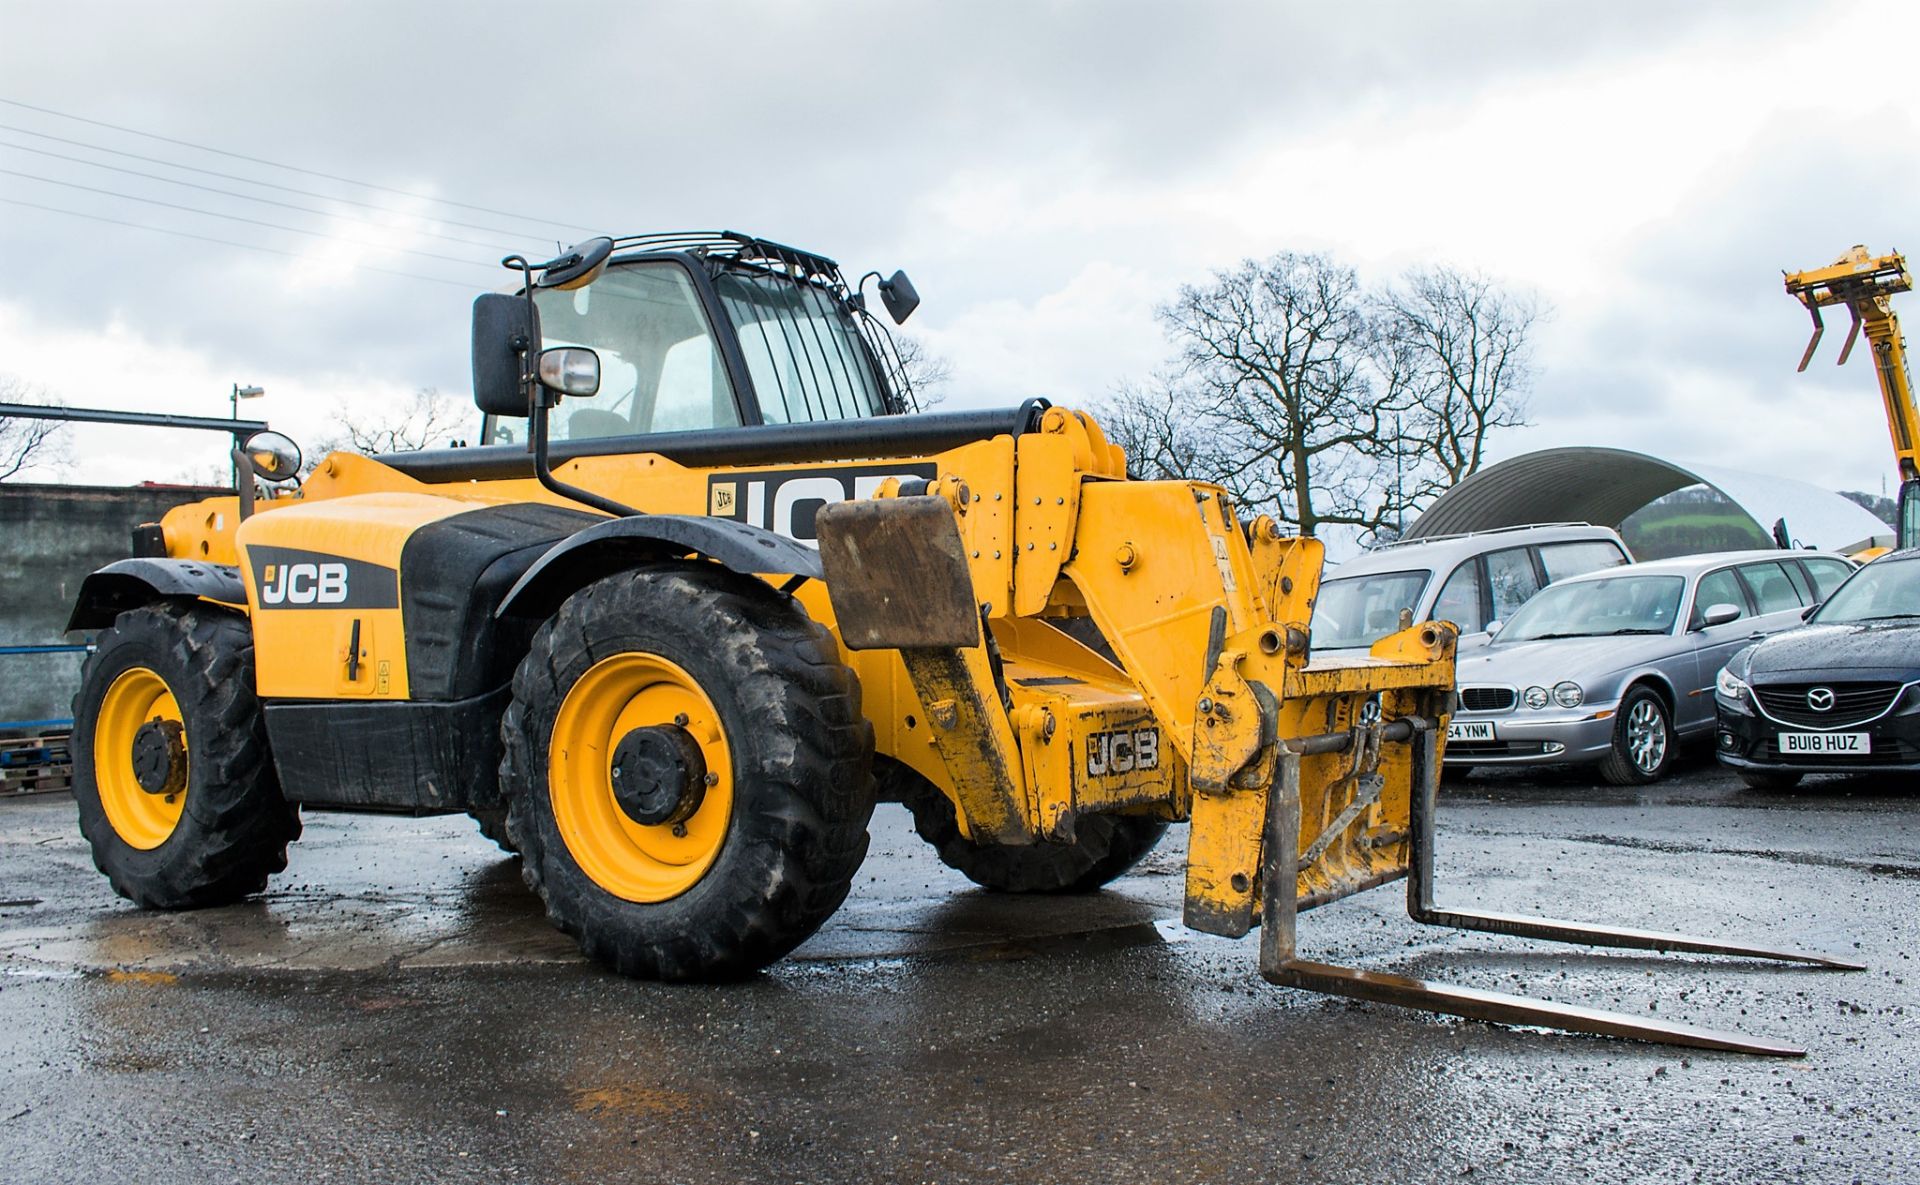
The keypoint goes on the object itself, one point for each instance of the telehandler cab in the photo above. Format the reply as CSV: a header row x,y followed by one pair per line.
x,y
704,593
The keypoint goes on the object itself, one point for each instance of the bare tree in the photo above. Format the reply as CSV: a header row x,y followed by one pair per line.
x,y
28,444
1460,343
426,420
1280,398
925,371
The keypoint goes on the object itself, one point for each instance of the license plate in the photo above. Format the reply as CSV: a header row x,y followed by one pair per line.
x,y
1825,742
1469,730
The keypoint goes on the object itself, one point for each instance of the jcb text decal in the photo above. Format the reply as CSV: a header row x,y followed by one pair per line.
x,y
785,500
1123,751
287,578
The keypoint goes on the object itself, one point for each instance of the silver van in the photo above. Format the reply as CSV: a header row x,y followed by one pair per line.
x,y
1470,580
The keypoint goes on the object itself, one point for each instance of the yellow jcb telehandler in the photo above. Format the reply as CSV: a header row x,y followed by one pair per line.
x,y
705,592
1866,284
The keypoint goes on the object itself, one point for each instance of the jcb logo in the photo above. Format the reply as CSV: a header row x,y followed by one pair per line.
x,y
304,584
292,578
1123,751
785,501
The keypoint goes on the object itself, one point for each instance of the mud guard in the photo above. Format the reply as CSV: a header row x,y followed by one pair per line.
x,y
619,543
129,584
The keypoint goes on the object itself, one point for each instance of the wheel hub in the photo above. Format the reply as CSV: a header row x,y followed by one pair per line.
x,y
659,775
160,757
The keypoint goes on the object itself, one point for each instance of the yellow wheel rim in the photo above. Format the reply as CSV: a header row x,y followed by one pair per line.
x,y
628,859
143,820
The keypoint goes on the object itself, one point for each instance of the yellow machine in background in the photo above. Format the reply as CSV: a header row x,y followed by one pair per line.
x,y
1866,283
708,591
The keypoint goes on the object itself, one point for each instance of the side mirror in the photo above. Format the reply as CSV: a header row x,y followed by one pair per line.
x,y
898,294
1494,627
504,327
1721,614
1807,613
272,455
570,370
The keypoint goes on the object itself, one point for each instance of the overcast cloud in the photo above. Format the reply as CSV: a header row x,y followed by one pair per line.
x,y
1047,172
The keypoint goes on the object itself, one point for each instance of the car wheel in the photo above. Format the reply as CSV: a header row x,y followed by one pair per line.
x,y
1642,740
1769,779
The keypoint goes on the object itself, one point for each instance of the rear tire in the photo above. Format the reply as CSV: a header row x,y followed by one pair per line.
x,y
758,688
219,837
1104,846
1769,779
1643,741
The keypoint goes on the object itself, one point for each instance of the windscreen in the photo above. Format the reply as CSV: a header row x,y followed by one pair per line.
x,y
1598,608
1881,591
1361,610
805,359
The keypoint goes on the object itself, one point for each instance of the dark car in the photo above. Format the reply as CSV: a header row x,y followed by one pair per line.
x,y
1840,694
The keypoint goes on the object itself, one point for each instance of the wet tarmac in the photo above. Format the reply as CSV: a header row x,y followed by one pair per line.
x,y
396,1009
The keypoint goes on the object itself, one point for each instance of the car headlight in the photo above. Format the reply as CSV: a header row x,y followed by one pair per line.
x,y
1567,694
1729,685
1536,697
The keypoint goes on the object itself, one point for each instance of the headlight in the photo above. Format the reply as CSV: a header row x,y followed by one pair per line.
x,y
1729,685
1567,694
1536,697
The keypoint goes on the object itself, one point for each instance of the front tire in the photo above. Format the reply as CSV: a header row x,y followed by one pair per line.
x,y
1104,846
743,710
176,787
1643,740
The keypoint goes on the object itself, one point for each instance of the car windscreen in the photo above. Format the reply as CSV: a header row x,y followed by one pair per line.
x,y
1880,591
1597,608
1361,610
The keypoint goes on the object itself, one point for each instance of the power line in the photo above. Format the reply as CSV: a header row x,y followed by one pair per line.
x,y
290,168
245,197
365,267
325,197
238,218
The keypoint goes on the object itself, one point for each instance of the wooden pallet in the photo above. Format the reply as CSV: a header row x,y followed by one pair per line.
x,y
39,763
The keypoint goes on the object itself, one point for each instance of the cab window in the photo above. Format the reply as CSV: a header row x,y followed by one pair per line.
x,y
659,370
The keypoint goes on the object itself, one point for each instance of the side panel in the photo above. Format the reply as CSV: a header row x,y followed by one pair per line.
x,y
416,758
323,579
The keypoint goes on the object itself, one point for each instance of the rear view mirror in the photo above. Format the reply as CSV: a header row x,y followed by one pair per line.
x,y
1720,614
1493,627
272,456
1807,613
504,328
899,296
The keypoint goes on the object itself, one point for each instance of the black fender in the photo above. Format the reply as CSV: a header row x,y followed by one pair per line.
x,y
621,543
129,584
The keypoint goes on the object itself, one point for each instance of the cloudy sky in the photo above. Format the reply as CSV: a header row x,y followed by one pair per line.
x,y
1048,173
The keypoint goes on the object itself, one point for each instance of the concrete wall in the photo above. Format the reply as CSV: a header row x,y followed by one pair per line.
x,y
51,537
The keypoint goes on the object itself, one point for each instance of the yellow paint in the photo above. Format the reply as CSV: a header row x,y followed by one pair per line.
x,y
140,819
633,861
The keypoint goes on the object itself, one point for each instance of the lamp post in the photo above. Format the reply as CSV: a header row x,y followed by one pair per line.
x,y
239,393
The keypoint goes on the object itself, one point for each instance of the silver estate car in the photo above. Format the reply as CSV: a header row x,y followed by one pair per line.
x,y
1470,580
1618,666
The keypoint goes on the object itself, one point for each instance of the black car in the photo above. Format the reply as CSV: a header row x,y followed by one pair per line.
x,y
1839,695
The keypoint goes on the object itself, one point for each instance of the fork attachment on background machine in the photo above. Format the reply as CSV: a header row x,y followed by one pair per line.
x,y
1302,782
